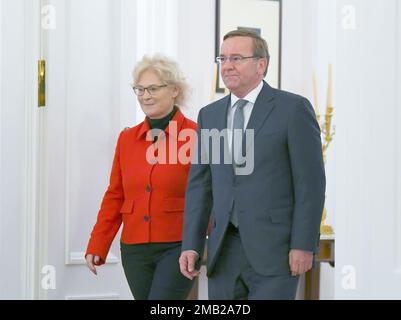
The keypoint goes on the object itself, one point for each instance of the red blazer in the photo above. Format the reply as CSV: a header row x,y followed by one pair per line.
x,y
146,196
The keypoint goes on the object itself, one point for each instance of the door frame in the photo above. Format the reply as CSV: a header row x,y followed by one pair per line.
x,y
34,222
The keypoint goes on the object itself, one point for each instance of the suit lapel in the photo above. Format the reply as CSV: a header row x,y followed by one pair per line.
x,y
223,106
262,108
222,114
264,105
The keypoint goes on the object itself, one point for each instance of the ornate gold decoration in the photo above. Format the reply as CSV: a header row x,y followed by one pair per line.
x,y
328,131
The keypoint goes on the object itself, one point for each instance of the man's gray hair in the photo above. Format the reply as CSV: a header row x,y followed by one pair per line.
x,y
260,47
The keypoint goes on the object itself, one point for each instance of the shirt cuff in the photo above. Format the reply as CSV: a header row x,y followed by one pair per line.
x,y
197,254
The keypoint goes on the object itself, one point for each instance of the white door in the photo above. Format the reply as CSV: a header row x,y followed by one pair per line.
x,y
54,161
89,102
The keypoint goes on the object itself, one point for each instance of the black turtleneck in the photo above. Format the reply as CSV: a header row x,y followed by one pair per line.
x,y
163,122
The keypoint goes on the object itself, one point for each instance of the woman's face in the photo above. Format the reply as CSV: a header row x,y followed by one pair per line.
x,y
161,102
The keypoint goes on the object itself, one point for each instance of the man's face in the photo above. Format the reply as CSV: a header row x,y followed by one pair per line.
x,y
240,78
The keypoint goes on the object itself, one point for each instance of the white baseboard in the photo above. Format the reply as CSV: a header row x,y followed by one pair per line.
x,y
111,296
79,258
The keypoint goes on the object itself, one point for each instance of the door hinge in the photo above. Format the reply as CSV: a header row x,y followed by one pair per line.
x,y
41,83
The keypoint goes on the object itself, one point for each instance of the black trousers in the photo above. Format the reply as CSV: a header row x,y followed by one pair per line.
x,y
152,271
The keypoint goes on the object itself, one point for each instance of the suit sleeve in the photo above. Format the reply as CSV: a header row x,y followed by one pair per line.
x,y
198,198
305,149
109,218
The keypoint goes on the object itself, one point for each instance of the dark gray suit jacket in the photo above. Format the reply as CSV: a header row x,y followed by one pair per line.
x,y
280,203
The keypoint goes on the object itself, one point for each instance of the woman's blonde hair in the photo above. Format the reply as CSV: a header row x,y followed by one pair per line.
x,y
167,70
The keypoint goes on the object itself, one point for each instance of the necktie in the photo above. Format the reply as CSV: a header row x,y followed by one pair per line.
x,y
236,148
238,124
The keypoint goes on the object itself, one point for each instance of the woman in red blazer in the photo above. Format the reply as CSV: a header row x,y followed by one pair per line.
x,y
147,187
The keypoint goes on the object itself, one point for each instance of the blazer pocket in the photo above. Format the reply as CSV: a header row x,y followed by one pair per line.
x,y
282,215
174,204
127,206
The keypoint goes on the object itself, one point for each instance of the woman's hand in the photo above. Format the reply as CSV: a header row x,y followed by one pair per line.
x,y
91,262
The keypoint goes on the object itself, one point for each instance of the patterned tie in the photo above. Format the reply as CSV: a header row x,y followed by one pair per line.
x,y
237,145
238,123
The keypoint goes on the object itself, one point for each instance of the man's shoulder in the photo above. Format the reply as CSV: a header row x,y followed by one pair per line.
x,y
215,106
288,96
291,101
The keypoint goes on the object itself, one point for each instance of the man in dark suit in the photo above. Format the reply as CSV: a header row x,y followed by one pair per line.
x,y
264,222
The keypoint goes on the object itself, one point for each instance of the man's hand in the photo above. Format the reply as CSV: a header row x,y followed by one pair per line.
x,y
187,264
300,261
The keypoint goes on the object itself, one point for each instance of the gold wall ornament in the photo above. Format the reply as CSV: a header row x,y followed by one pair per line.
x,y
327,131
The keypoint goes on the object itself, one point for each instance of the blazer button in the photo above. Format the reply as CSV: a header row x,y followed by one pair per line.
x,y
148,188
146,218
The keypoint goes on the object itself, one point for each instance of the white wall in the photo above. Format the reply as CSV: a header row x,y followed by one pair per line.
x,y
196,50
363,171
368,214
309,45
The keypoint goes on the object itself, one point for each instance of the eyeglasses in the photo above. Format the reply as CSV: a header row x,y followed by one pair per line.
x,y
236,59
152,90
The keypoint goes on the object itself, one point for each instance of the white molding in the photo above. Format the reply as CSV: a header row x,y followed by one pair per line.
x,y
171,28
143,40
73,257
79,258
128,57
67,18
1,109
42,218
397,120
155,36
109,296
117,14
142,26
29,237
42,204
